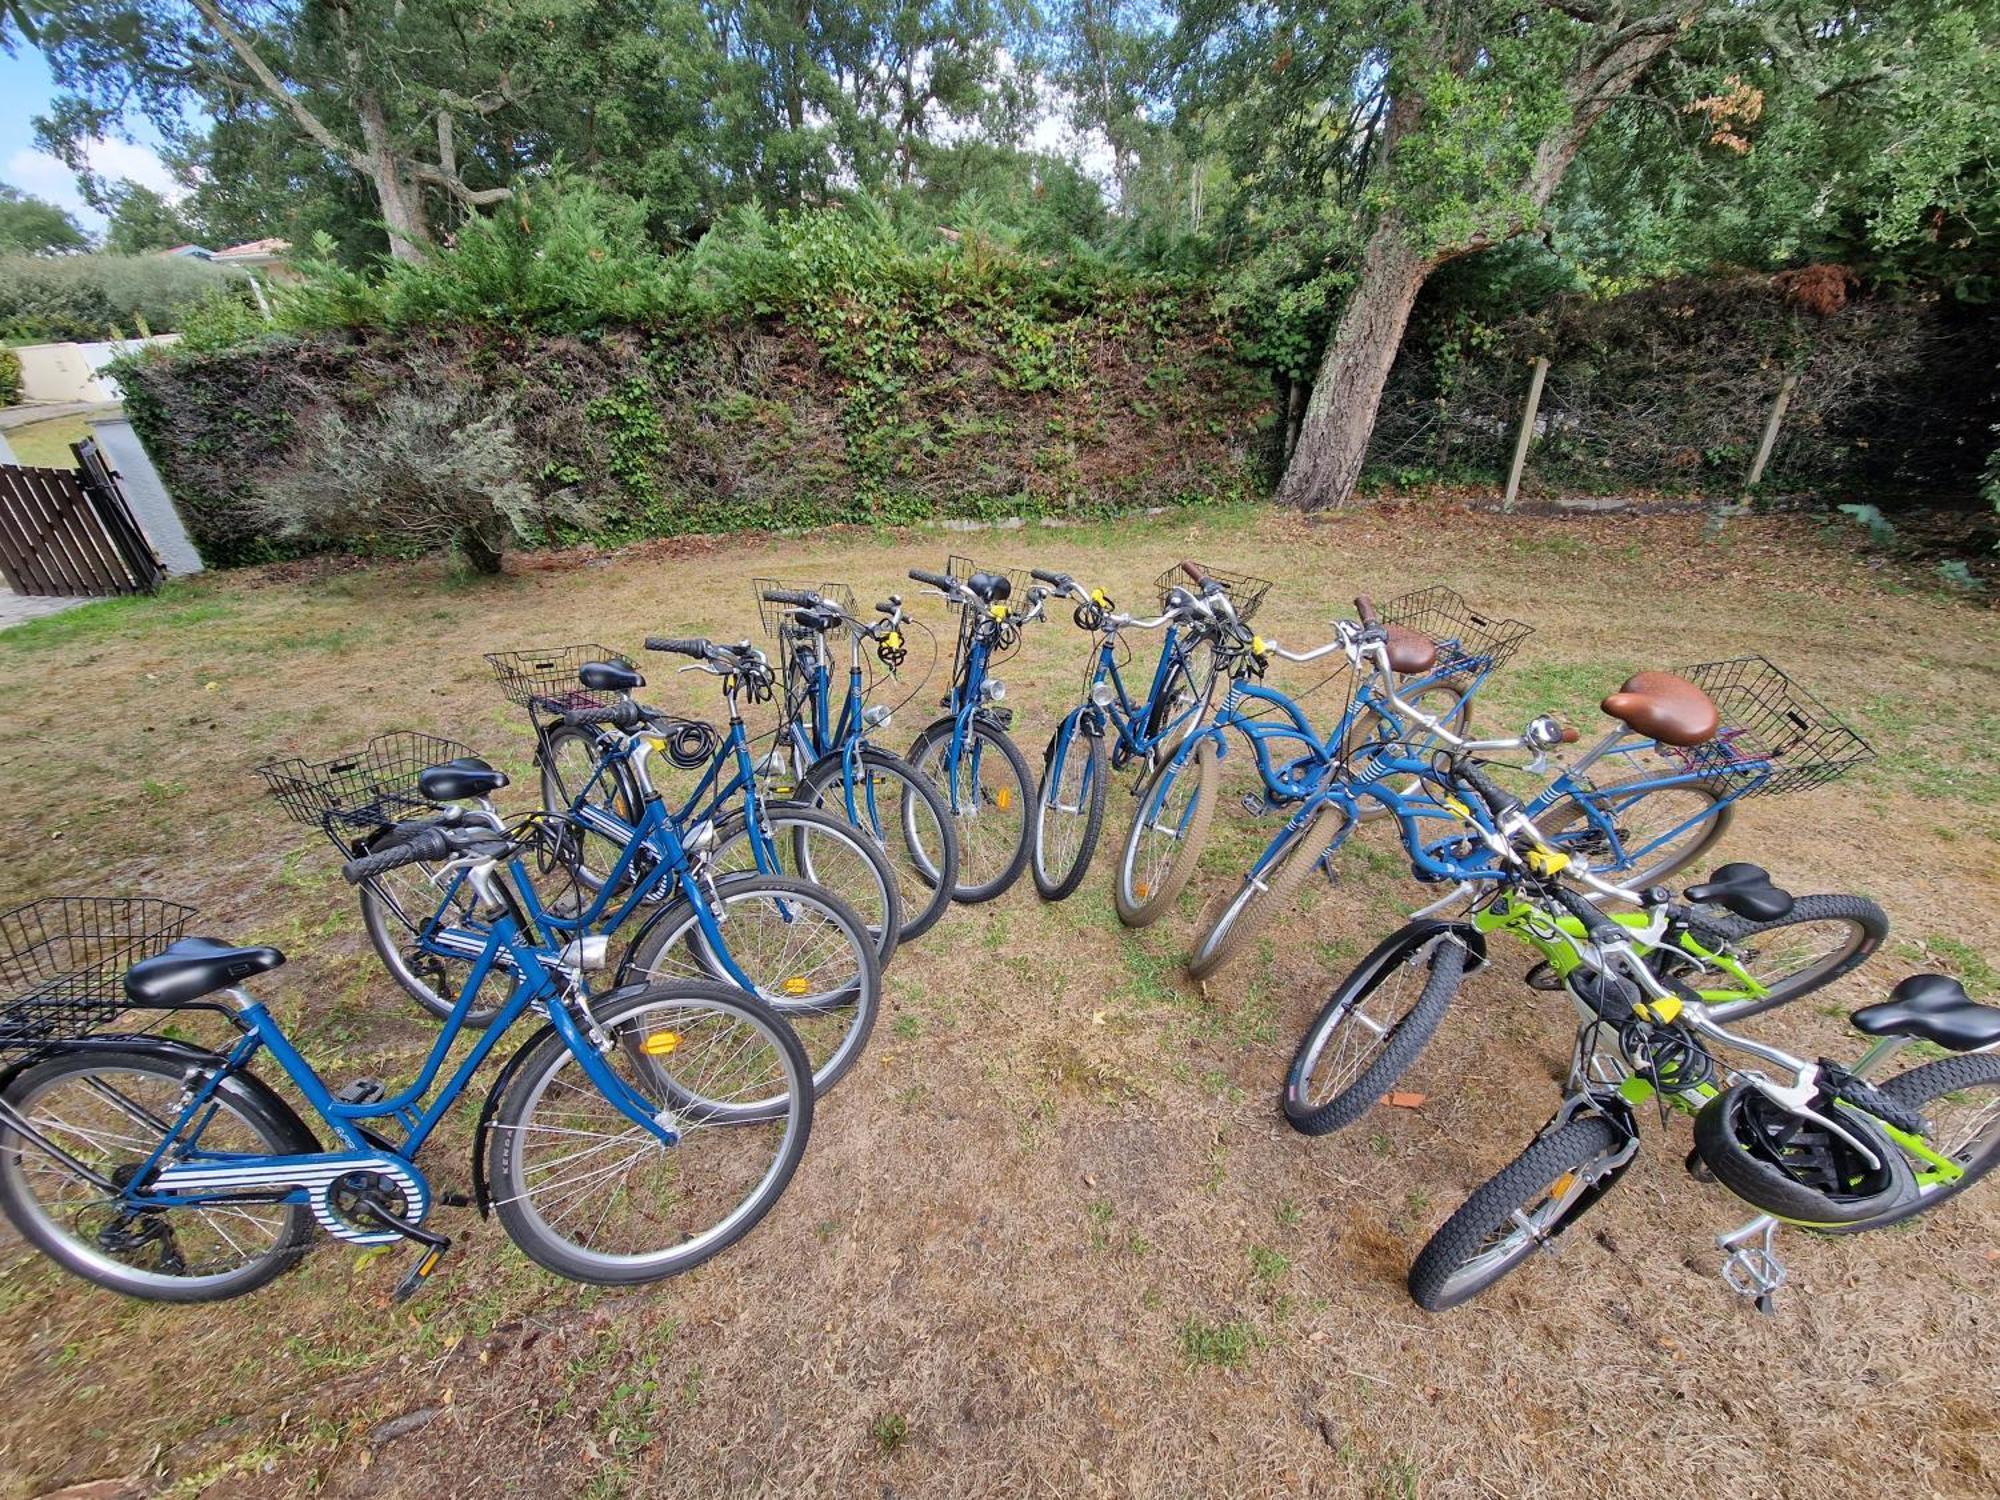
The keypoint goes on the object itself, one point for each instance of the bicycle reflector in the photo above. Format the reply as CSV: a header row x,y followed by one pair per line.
x,y
660,1043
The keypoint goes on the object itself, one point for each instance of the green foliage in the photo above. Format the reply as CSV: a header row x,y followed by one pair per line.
x,y
142,221
99,296
31,226
10,377
222,318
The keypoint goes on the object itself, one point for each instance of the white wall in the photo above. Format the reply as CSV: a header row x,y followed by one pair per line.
x,y
70,372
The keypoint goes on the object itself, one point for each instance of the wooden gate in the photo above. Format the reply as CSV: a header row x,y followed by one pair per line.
x,y
69,531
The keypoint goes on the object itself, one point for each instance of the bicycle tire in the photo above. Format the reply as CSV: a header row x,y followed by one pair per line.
x,y
926,755
1556,821
529,1084
880,907
589,856
1439,1279
1921,1086
242,1097
1401,1041
851,1010
1868,928
1142,907
924,874
1367,725
1254,906
382,918
1059,885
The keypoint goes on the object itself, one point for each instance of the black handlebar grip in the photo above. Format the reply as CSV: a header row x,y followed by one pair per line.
x,y
791,596
693,646
935,580
624,715
886,606
1053,580
1594,921
1364,609
429,846
1498,799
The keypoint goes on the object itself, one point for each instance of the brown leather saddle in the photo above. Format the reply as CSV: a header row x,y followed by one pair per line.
x,y
1410,653
1666,708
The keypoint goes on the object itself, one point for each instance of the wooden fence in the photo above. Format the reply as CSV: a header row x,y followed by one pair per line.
x,y
68,532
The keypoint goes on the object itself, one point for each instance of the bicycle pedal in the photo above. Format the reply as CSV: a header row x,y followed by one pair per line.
x,y
360,1091
1256,806
454,1200
419,1274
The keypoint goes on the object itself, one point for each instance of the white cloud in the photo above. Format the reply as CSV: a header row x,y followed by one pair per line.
x,y
45,176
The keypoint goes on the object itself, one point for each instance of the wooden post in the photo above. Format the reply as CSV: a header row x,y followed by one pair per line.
x,y
1527,432
1770,439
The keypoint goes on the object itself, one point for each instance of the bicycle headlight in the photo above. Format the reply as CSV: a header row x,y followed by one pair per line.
x,y
876,716
993,689
1102,695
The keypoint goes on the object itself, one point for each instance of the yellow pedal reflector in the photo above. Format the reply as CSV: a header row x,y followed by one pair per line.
x,y
660,1043
1004,798
796,985
1562,1184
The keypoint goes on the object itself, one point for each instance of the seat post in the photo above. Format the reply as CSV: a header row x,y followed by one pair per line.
x,y
1884,1048
1597,751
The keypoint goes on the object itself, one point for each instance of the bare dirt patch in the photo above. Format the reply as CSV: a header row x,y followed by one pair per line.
x,y
1052,1235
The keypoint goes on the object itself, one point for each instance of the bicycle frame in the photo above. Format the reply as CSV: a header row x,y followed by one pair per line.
x,y
1126,718
194,1177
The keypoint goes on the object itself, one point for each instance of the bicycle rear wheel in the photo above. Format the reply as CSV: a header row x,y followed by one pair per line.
x,y
1257,902
1373,1028
1166,837
1528,1203
586,1193
1820,939
1659,831
1960,1096
1069,813
108,1110
902,813
395,908
568,760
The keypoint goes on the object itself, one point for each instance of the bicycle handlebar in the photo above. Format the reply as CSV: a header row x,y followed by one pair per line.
x,y
1195,571
1595,923
621,715
429,846
935,580
1364,611
694,646
798,597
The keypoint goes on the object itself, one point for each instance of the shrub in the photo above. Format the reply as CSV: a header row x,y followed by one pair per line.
x,y
221,318
10,377
91,297
433,464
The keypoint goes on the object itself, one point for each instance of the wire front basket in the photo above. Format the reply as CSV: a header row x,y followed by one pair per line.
x,y
545,680
1245,591
1775,736
372,787
1468,642
63,962
774,617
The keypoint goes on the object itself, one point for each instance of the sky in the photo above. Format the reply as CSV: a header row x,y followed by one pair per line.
x,y
26,88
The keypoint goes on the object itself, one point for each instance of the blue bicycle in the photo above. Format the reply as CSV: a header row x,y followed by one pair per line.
x,y
631,1137
1293,758
752,830
968,752
824,757
1069,804
796,945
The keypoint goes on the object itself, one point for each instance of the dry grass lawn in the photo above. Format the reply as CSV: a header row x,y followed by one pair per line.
x,y
1053,1236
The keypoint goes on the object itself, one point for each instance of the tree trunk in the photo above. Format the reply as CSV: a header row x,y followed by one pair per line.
x,y
401,199
1333,441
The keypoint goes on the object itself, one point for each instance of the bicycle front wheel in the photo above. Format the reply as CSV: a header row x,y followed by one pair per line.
x,y
908,822
803,948
989,791
1263,897
588,1194
1373,1028
1820,939
1069,813
1519,1211
1637,832
107,1111
1166,837
826,851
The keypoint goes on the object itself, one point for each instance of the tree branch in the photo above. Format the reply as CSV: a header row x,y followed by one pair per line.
x,y
309,122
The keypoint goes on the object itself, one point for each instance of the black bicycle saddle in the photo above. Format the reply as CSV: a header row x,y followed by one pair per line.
x,y
1744,889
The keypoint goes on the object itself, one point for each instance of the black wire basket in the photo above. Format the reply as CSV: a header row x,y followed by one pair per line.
x,y
63,962
1018,579
774,617
545,681
1245,591
366,789
1775,736
1468,642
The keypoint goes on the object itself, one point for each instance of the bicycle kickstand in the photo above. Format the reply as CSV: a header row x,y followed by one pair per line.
x,y
1752,1267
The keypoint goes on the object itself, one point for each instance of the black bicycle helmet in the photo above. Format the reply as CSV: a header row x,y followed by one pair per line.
x,y
1795,1168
